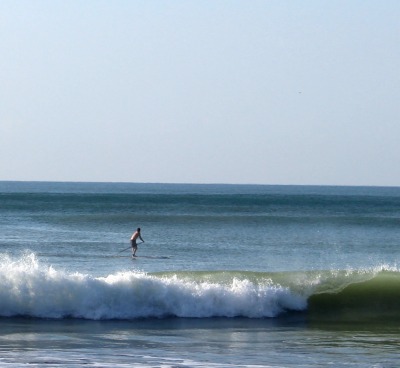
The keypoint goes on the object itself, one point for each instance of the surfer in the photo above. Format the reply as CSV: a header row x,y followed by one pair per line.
x,y
134,237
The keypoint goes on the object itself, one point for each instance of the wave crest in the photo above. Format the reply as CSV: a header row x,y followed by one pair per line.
x,y
30,289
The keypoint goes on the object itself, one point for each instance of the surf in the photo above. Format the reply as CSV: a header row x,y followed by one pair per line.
x,y
32,289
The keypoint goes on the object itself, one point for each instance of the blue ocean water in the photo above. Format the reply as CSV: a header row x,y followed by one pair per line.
x,y
229,275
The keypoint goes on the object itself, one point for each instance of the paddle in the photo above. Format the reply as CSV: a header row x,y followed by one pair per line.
x,y
123,250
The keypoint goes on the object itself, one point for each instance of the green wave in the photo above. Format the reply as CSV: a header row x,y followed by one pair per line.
x,y
377,298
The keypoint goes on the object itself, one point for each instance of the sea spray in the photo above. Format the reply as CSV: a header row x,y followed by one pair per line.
x,y
28,288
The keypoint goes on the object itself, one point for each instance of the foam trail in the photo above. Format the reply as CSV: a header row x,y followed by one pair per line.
x,y
30,289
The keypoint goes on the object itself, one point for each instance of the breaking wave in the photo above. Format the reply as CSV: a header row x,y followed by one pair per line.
x,y
31,289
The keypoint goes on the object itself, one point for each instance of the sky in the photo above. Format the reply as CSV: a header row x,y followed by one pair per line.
x,y
241,92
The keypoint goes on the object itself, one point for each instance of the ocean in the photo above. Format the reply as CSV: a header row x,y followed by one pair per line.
x,y
228,275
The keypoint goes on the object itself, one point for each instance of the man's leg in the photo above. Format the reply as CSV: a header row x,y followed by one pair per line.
x,y
134,248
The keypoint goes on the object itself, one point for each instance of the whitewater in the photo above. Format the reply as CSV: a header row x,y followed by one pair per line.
x,y
32,290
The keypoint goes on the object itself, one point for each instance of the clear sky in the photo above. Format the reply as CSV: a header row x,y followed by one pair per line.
x,y
258,92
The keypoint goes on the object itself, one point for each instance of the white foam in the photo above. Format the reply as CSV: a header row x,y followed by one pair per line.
x,y
30,289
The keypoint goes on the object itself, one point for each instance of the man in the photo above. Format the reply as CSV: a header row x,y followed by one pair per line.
x,y
134,237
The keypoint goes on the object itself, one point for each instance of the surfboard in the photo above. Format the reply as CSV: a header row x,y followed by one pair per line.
x,y
151,257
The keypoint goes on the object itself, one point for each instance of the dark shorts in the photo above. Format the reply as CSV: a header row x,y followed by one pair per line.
x,y
133,243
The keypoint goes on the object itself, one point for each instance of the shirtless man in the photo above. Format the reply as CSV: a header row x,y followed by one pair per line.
x,y
134,236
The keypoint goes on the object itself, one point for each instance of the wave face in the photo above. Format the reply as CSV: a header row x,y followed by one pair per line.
x,y
375,298
30,289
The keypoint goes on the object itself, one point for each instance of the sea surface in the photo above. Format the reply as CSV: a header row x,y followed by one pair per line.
x,y
228,275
